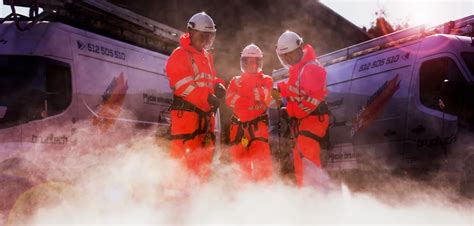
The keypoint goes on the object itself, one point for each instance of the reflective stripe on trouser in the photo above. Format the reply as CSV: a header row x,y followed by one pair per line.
x,y
196,158
255,161
310,148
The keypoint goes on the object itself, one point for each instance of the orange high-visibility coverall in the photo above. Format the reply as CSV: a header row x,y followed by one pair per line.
x,y
192,78
249,96
304,91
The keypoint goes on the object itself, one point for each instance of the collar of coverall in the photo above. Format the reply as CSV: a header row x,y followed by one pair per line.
x,y
185,42
246,75
308,55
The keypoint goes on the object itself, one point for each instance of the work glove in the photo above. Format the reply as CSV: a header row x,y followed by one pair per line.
x,y
213,100
219,90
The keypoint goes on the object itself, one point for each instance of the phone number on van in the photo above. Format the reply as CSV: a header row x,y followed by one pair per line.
x,y
101,50
379,63
105,51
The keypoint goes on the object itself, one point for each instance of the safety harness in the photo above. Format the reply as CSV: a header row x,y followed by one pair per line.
x,y
251,127
294,124
321,110
204,121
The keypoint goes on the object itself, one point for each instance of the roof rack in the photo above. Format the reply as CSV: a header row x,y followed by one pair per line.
x,y
464,27
102,17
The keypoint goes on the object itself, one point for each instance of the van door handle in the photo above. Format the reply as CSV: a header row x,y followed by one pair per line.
x,y
418,130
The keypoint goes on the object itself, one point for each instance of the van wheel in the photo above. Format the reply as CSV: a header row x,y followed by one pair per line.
x,y
466,187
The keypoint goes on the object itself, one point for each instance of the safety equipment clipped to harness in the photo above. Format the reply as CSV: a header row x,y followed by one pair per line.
x,y
251,127
245,142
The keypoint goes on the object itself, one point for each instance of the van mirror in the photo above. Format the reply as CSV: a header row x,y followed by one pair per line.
x,y
451,100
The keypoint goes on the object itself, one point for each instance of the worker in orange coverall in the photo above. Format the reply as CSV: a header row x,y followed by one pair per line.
x,y
249,96
196,90
305,93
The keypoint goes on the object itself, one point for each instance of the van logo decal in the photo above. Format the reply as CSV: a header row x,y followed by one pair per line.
x,y
375,105
50,139
156,100
406,56
111,104
436,141
81,45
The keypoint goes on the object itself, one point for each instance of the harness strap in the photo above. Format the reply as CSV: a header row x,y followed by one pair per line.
x,y
310,135
203,124
251,127
295,124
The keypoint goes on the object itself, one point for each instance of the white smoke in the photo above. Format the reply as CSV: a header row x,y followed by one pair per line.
x,y
135,182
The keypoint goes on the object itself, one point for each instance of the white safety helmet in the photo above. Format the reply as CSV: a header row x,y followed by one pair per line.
x,y
251,59
287,42
202,22
252,50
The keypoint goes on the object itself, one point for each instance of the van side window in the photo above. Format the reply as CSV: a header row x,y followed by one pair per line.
x,y
432,75
32,88
468,58
58,87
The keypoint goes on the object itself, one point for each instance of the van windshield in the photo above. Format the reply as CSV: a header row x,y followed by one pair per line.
x,y
468,58
32,88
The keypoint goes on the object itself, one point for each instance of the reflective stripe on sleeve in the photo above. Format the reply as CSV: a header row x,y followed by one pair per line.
x,y
183,81
188,90
313,101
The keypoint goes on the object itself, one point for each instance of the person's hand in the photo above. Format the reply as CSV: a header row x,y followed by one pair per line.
x,y
213,100
220,90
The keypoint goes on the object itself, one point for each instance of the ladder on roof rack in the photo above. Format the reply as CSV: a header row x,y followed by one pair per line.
x,y
100,16
151,25
464,27
33,16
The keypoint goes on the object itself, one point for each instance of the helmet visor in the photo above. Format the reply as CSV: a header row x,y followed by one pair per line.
x,y
251,64
283,60
202,40
209,38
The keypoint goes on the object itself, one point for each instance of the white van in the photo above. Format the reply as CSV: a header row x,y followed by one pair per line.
x,y
403,101
55,75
